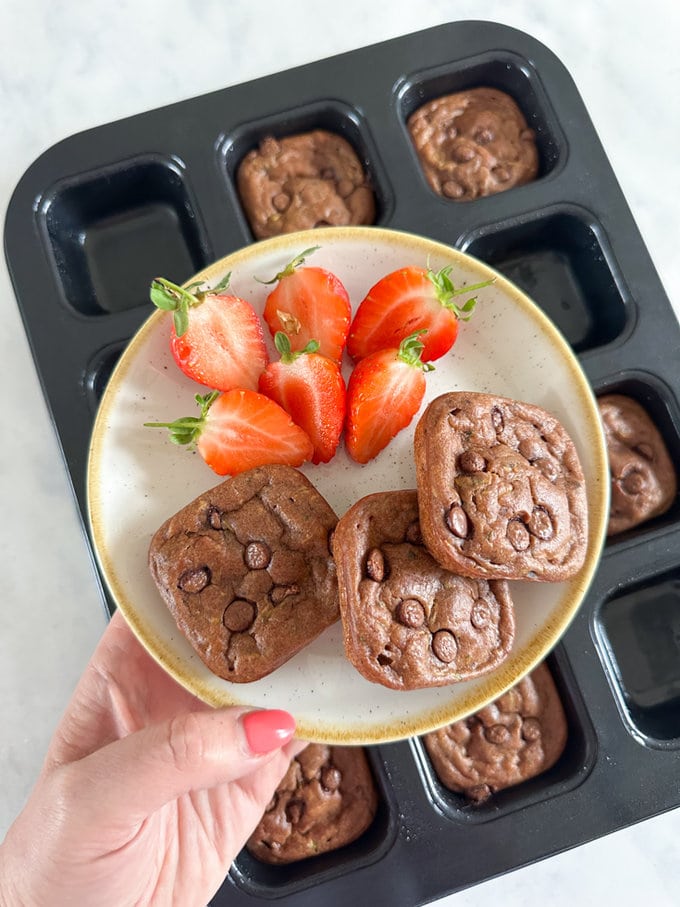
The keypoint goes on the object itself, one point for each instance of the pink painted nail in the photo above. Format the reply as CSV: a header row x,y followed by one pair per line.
x,y
267,729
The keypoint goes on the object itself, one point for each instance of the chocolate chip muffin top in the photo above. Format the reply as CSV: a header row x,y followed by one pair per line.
x,y
327,799
519,736
303,181
474,143
246,571
500,487
407,622
643,478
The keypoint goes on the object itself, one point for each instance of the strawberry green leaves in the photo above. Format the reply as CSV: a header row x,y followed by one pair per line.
x,y
187,430
170,297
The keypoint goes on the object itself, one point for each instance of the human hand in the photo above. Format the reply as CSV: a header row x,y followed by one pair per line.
x,y
146,794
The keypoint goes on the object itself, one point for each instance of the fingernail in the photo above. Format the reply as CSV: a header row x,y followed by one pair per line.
x,y
267,729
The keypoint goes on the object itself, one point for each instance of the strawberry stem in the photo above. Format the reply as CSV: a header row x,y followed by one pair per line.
x,y
282,344
296,262
410,350
446,291
172,298
188,429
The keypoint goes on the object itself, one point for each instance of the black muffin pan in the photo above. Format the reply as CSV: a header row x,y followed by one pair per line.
x,y
101,213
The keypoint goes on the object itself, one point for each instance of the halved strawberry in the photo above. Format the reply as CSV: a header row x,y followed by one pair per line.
x,y
310,387
238,430
408,300
216,338
384,393
309,304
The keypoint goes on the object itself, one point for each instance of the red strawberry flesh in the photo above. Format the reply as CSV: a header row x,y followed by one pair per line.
x,y
310,304
240,429
384,393
223,346
310,387
408,300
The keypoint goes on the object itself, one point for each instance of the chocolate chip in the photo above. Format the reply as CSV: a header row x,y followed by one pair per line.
x,y
413,535
194,580
281,201
471,461
509,702
497,419
376,568
480,615
548,468
345,188
214,518
518,535
497,733
239,615
530,449
457,521
452,189
278,593
410,612
462,153
330,778
257,556
294,811
484,136
632,482
444,646
540,524
531,729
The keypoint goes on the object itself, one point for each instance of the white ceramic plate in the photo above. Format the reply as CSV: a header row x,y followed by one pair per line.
x,y
137,478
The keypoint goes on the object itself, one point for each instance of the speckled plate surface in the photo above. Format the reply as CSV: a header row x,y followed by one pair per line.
x,y
137,478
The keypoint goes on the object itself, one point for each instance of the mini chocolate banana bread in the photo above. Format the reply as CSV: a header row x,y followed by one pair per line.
x,y
247,572
407,622
643,478
326,800
519,736
302,181
501,489
474,143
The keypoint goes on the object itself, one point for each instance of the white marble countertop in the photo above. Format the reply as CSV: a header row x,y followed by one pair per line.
x,y
68,66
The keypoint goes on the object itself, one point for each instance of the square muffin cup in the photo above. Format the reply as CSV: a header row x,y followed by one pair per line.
x,y
98,371
560,257
111,231
263,880
505,71
658,401
570,770
638,635
328,115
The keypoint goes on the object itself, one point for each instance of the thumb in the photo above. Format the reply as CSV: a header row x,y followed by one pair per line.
x,y
128,779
